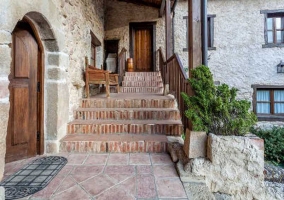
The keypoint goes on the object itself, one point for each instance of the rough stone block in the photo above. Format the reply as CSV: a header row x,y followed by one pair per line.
x,y
4,115
195,144
2,193
198,191
4,91
56,74
187,176
220,196
5,37
5,60
51,147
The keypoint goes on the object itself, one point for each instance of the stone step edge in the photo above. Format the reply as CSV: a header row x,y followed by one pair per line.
x,y
125,122
93,109
120,143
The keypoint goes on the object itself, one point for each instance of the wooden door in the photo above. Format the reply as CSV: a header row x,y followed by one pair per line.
x,y
23,117
143,50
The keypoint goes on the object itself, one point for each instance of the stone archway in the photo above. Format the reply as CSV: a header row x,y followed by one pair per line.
x,y
56,93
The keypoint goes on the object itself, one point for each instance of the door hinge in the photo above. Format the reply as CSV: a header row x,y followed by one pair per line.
x,y
38,135
38,86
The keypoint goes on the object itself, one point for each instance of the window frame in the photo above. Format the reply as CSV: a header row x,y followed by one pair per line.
x,y
272,116
210,33
272,14
94,44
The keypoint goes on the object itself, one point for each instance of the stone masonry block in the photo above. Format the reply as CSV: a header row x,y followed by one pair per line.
x,y
56,73
2,193
5,37
5,60
4,91
195,144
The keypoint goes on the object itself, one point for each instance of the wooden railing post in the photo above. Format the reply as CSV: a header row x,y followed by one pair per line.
x,y
194,34
168,44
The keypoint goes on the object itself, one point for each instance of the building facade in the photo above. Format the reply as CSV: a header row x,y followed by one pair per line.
x,y
245,51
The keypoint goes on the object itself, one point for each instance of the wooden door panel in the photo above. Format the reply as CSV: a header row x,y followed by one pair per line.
x,y
143,50
21,61
23,116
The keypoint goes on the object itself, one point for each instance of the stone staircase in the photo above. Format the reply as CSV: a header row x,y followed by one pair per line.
x,y
138,119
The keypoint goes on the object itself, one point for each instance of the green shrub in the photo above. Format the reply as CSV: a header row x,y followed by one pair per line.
x,y
273,143
215,108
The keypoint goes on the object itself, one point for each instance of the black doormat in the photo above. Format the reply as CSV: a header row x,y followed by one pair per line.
x,y
33,177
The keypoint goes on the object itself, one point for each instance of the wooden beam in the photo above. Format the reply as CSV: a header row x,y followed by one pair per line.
x,y
194,34
168,43
162,8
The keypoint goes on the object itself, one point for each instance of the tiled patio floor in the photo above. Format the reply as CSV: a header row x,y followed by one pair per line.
x,y
111,177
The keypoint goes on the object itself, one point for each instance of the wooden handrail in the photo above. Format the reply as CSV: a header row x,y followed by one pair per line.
x,y
178,81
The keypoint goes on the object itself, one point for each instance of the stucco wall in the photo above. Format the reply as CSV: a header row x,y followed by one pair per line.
x,y
68,24
120,14
239,59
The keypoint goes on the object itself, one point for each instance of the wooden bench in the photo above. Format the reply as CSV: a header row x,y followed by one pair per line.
x,y
99,76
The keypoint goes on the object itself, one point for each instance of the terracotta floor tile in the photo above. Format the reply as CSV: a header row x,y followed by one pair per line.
x,y
120,169
129,185
49,189
170,188
144,169
118,159
67,169
98,159
76,159
165,171
161,159
116,178
74,192
81,173
146,186
139,159
115,193
67,183
97,184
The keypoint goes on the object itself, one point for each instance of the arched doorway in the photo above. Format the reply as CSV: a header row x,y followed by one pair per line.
x,y
25,126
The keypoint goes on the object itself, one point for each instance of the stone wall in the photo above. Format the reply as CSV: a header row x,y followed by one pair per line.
x,y
64,30
120,14
234,169
239,59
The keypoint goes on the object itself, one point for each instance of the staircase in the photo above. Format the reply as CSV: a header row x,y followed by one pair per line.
x,y
138,119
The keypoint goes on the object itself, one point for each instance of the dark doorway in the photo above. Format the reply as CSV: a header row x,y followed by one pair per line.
x,y
143,45
25,116
111,47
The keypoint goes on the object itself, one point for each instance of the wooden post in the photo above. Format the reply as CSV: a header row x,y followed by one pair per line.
x,y
194,34
168,43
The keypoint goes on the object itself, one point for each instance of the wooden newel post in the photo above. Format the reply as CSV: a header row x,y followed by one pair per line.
x,y
168,43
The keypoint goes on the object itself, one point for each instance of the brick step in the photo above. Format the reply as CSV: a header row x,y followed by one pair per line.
x,y
137,101
142,83
158,90
165,127
142,78
142,74
127,113
117,143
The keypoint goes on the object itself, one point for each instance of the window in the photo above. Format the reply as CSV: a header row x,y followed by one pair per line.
x,y
210,32
274,28
269,102
94,44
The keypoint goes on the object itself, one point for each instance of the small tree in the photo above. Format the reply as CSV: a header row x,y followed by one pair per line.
x,y
215,108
